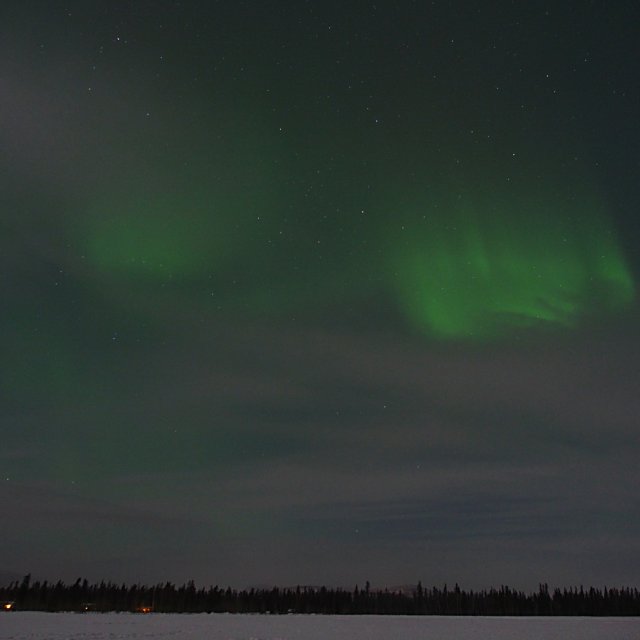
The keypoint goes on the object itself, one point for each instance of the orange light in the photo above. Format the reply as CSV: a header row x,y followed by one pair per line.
x,y
144,609
7,606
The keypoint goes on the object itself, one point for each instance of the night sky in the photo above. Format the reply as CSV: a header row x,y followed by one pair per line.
x,y
320,292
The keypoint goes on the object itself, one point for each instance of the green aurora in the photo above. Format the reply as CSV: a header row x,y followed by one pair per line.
x,y
469,267
475,271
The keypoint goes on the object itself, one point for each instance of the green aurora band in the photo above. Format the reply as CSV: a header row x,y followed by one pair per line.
x,y
465,268
479,270
159,236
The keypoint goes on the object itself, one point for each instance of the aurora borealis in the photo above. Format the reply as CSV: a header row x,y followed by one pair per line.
x,y
456,267
320,292
462,276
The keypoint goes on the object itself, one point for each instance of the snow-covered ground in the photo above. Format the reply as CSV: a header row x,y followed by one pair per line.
x,y
113,626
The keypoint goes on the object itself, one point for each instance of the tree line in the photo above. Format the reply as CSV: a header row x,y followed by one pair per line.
x,y
188,598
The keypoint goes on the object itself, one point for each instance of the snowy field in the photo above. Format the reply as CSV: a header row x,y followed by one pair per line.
x,y
114,626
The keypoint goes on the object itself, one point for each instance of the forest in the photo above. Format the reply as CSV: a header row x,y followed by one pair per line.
x,y
82,596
